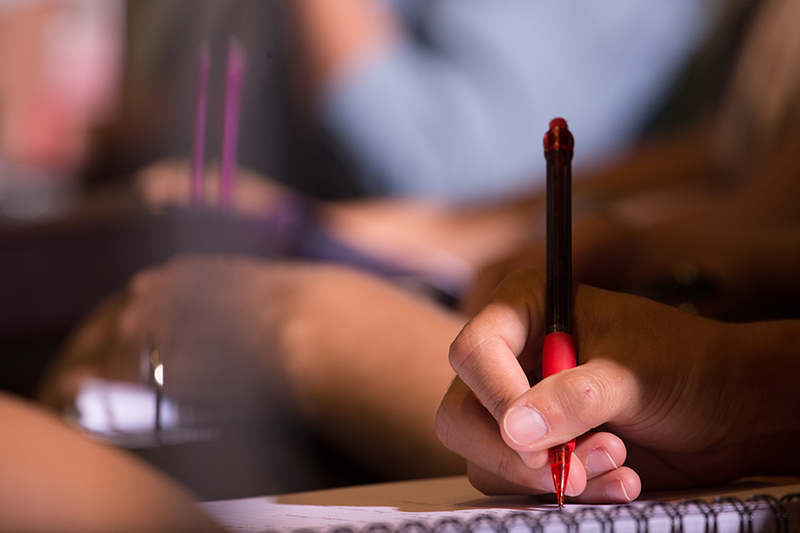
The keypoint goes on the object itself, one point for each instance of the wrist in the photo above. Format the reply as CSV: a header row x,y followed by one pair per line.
x,y
767,368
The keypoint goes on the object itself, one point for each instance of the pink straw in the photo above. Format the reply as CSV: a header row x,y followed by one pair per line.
x,y
198,163
234,76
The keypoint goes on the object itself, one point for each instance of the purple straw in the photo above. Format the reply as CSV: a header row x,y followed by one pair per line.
x,y
198,163
234,76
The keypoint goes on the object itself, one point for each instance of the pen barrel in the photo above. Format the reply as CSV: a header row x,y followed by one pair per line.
x,y
559,241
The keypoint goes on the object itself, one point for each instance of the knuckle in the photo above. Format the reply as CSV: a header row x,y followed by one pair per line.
x,y
461,350
467,358
143,281
507,466
583,397
495,402
478,479
445,425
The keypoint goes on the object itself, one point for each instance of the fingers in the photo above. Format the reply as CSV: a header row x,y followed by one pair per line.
x,y
485,357
504,427
84,354
467,428
484,354
168,183
568,404
619,486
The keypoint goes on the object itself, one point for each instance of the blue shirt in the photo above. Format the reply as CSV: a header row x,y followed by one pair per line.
x,y
457,108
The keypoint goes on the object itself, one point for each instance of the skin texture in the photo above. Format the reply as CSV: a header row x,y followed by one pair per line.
x,y
331,37
733,247
692,400
59,480
287,327
233,332
471,245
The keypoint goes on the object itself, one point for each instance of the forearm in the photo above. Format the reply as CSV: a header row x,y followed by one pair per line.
x,y
657,163
367,364
766,363
52,479
769,192
334,34
431,238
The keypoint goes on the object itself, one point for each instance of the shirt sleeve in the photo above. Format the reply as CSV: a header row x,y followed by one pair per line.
x,y
457,110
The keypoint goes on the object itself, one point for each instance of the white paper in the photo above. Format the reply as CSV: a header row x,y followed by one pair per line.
x,y
432,502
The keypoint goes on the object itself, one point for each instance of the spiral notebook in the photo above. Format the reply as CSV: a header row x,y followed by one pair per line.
x,y
451,505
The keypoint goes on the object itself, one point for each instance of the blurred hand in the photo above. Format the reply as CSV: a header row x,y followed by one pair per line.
x,y
713,267
690,398
337,345
168,183
218,324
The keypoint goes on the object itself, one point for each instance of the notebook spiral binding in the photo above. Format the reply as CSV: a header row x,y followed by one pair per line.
x,y
723,515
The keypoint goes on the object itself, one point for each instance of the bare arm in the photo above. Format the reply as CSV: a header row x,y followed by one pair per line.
x,y
332,35
52,479
360,361
369,366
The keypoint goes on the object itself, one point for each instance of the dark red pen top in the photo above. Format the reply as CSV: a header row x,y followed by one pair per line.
x,y
558,146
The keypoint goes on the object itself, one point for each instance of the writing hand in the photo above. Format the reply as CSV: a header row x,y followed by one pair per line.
x,y
651,376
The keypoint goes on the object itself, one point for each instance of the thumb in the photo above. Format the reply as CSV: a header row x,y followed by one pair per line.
x,y
568,404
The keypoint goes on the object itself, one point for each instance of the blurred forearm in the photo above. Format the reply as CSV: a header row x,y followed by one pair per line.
x,y
368,366
334,34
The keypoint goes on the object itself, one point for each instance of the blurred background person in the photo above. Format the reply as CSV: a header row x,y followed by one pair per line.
x,y
439,99
60,64
295,325
300,324
448,99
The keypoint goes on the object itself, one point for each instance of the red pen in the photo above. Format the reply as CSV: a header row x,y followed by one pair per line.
x,y
559,349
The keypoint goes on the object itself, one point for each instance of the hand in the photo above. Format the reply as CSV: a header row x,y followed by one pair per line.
x,y
607,252
217,323
168,183
339,347
683,394
709,265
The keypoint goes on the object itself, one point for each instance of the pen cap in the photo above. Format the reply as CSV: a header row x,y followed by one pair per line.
x,y
558,137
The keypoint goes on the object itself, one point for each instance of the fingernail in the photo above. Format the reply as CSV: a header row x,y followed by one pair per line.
x,y
524,425
600,461
546,481
529,458
548,484
615,491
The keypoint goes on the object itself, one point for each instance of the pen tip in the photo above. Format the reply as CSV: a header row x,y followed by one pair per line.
x,y
559,465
